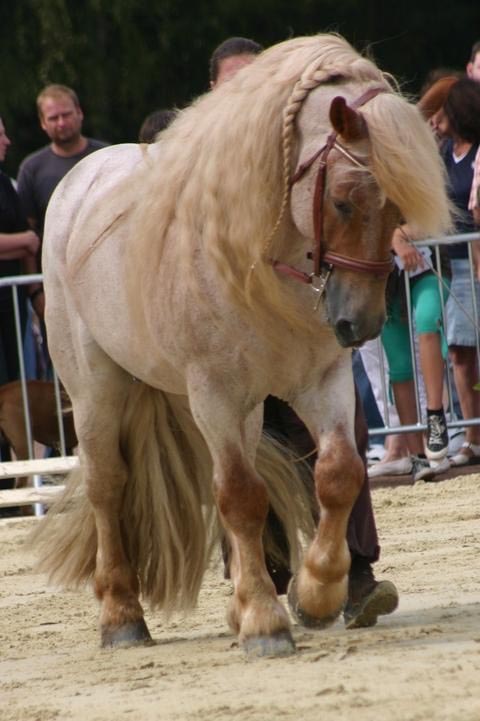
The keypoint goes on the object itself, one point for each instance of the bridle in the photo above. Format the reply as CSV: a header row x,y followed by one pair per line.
x,y
324,262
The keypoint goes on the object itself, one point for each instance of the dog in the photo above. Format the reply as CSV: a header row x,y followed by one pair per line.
x,y
43,419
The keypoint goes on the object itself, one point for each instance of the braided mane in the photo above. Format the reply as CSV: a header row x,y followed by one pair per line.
x,y
314,75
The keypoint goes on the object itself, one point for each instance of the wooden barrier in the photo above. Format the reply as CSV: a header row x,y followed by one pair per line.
x,y
37,467
29,496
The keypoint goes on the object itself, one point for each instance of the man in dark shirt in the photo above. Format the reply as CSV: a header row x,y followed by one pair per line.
x,y
61,118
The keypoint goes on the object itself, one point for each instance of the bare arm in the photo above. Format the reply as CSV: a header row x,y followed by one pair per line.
x,y
403,247
35,290
476,257
18,245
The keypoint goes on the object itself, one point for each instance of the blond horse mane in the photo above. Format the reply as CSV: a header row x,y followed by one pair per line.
x,y
222,184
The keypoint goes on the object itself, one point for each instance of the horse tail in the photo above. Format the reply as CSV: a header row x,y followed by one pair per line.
x,y
65,540
172,522
167,516
290,487
168,519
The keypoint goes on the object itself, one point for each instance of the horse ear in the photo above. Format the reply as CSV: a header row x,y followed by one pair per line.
x,y
346,121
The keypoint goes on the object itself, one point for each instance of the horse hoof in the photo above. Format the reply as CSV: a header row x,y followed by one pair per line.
x,y
304,618
279,644
131,634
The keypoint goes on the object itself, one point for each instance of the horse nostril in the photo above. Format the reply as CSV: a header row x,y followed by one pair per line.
x,y
344,330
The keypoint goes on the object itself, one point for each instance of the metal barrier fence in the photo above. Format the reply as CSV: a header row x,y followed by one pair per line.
x,y
41,467
453,419
35,467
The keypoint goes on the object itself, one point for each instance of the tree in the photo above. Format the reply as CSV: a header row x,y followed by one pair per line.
x,y
126,58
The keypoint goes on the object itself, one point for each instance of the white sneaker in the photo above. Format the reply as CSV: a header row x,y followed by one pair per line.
x,y
441,466
468,455
456,440
375,453
399,467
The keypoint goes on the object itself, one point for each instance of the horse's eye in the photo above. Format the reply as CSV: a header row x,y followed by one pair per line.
x,y
343,207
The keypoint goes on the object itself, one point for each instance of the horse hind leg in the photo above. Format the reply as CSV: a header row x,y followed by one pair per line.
x,y
98,417
116,581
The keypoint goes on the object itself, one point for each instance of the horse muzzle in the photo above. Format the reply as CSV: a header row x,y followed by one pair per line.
x,y
352,333
355,307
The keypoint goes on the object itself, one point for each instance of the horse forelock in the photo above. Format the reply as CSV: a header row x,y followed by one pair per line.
x,y
407,165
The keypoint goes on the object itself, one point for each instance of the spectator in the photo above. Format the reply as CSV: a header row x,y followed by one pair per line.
x,y
473,65
460,125
474,201
427,314
432,101
431,80
473,72
230,57
154,124
17,244
61,118
395,460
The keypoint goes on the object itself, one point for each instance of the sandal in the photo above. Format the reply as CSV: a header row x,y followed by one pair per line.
x,y
468,455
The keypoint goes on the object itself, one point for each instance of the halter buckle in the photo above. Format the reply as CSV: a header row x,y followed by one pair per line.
x,y
318,284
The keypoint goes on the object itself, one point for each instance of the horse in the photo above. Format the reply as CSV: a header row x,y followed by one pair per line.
x,y
242,254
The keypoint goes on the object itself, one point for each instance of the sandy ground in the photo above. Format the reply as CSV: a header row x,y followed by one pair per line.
x,y
421,663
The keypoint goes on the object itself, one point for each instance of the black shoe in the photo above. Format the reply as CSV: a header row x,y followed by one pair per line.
x,y
437,436
367,598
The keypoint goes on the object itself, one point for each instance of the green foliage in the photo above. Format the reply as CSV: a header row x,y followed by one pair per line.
x,y
126,58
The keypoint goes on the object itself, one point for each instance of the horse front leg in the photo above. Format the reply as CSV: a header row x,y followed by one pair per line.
x,y
318,593
254,613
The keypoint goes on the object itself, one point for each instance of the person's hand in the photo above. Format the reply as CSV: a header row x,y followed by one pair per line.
x,y
32,242
409,255
476,258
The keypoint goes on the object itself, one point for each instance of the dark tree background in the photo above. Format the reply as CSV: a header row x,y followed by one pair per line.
x,y
126,58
